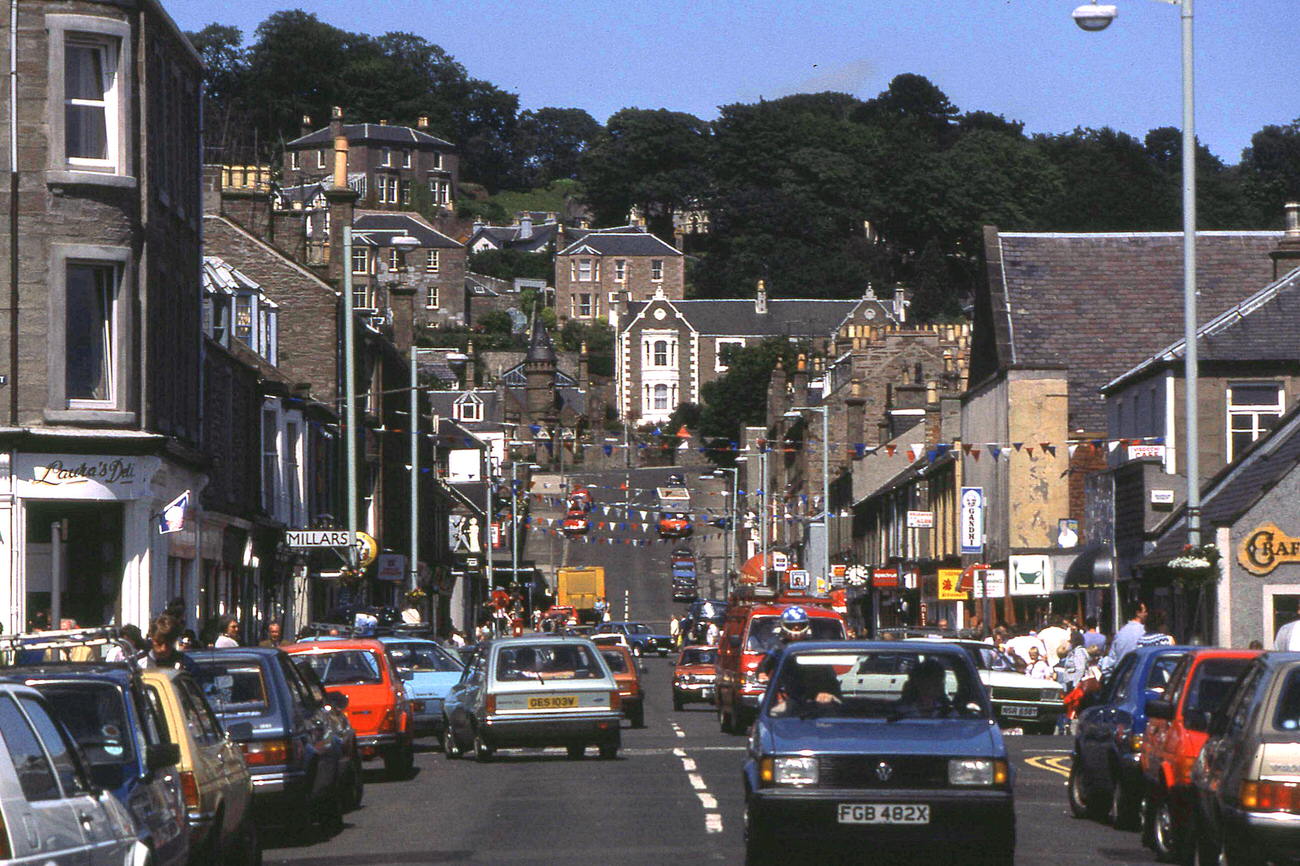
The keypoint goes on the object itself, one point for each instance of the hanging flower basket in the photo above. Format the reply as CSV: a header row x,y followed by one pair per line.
x,y
1195,566
415,596
350,577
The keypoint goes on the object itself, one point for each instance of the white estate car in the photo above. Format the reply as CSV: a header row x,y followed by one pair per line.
x,y
1018,700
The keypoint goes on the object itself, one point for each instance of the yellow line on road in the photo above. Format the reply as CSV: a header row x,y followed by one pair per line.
x,y
1059,764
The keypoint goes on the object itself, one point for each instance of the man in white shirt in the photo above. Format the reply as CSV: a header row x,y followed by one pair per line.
x,y
1054,637
1288,636
1020,646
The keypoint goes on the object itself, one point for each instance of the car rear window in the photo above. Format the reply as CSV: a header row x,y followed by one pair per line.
x,y
233,685
616,660
546,662
1213,682
345,667
764,631
423,658
96,717
1288,705
699,657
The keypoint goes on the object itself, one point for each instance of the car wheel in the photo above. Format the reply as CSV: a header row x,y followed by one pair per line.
x,y
1238,852
252,844
450,750
482,751
1206,850
637,716
636,650
1168,840
1081,805
724,721
399,761
1126,808
677,704
759,850
576,752
609,750
355,787
330,813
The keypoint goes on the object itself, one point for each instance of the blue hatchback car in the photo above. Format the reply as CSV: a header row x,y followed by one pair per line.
x,y
433,669
884,746
1105,768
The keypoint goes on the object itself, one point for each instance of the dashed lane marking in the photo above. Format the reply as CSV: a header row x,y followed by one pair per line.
x,y
708,800
713,822
1059,764
679,753
688,765
696,781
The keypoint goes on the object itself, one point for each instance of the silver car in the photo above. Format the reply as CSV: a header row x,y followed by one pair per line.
x,y
541,690
51,813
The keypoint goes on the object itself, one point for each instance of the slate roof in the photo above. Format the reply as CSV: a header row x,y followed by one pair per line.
x,y
379,229
622,243
1263,327
738,317
507,237
1236,488
1097,304
384,134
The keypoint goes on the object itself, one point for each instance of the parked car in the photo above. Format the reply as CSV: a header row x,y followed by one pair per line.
x,y
46,789
675,524
539,690
1105,768
624,668
639,637
377,705
215,781
121,735
702,611
295,754
337,720
1246,781
575,523
885,747
1177,727
1024,701
433,670
694,676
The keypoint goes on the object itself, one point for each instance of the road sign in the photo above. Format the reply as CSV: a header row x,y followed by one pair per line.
x,y
837,574
367,549
972,520
780,561
392,566
318,538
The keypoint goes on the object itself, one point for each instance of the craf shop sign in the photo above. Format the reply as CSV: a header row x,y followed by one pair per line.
x,y
83,476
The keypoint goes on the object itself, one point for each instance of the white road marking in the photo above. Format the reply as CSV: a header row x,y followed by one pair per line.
x,y
696,782
688,765
627,605
679,732
709,801
679,753
713,822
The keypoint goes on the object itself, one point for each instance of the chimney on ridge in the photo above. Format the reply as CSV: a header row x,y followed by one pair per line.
x,y
422,122
1287,254
760,299
305,129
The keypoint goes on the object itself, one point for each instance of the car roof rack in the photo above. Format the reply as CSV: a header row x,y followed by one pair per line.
x,y
69,639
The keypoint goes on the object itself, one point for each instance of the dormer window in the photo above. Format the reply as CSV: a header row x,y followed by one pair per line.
x,y
469,408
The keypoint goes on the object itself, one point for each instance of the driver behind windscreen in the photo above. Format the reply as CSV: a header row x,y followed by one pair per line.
x,y
804,687
924,690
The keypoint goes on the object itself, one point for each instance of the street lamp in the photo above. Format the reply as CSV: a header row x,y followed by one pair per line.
x,y
731,520
1093,17
826,481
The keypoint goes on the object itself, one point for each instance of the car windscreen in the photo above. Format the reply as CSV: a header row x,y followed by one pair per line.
x,y
616,660
699,657
96,717
548,662
765,632
345,667
423,658
233,686
1287,717
638,628
890,684
1213,682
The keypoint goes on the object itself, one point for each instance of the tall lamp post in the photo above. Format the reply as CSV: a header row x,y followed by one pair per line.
x,y
729,539
1095,17
826,482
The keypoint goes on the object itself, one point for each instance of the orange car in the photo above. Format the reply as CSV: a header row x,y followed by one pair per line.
x,y
377,704
623,666
675,524
1177,727
695,675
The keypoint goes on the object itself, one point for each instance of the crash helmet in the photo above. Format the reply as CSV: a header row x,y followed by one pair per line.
x,y
794,623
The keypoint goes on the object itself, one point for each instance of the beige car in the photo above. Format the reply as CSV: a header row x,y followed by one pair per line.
x,y
214,779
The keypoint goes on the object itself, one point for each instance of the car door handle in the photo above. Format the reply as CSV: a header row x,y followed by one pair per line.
x,y
86,820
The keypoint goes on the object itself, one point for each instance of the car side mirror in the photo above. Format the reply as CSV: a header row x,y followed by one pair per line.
x,y
405,674
1159,708
160,755
1153,695
336,700
239,732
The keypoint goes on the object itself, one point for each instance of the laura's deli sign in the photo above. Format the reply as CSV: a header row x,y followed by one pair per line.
x,y
1266,548
84,476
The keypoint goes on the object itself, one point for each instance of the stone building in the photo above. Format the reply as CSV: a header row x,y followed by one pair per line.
x,y
401,250
602,269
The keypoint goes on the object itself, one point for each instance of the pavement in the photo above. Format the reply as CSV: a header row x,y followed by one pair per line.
x,y
674,793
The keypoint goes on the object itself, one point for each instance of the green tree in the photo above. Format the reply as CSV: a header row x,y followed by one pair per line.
x,y
738,398
1270,170
508,264
550,143
225,64
1114,185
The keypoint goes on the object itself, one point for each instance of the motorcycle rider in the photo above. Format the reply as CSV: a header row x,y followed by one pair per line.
x,y
795,625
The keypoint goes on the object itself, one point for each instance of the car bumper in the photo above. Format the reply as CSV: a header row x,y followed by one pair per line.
x,y
1267,835
983,818
541,730
281,789
693,692
373,745
429,720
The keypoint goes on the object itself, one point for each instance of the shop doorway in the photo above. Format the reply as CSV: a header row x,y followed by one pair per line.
x,y
89,560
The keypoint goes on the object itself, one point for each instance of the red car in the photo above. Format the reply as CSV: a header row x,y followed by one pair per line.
x,y
575,523
1177,727
675,524
695,675
377,704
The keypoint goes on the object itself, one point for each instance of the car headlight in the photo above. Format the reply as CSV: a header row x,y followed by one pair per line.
x,y
977,772
1051,694
798,770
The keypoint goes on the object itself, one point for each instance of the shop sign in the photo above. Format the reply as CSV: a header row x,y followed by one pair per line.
x,y
1266,548
950,585
1031,575
797,579
303,538
884,578
972,519
83,476
996,581
920,519
837,574
391,566
367,549
1137,452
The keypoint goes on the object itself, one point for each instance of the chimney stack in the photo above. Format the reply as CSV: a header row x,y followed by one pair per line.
x,y
305,129
901,303
422,122
340,148
526,227
855,414
760,299
339,197
1287,254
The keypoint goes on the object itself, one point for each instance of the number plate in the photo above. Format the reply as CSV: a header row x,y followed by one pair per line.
x,y
1021,712
553,702
884,813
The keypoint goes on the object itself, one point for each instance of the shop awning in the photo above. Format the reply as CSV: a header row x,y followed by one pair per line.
x,y
1093,567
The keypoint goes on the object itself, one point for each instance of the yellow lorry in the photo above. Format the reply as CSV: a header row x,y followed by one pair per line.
x,y
579,587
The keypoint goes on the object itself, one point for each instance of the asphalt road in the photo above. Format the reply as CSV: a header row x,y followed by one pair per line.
x,y
673,796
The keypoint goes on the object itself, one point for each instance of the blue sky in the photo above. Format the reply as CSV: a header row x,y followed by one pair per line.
x,y
1021,58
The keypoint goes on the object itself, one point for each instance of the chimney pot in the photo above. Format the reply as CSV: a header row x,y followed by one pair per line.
x,y
383,122
1292,211
760,299
422,122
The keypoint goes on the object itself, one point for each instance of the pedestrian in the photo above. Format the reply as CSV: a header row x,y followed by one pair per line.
x,y
274,633
1155,631
1288,636
1126,639
228,633
1036,666
675,631
1020,645
163,653
711,634
1055,638
188,641
1074,665
1092,636
600,607
1256,644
